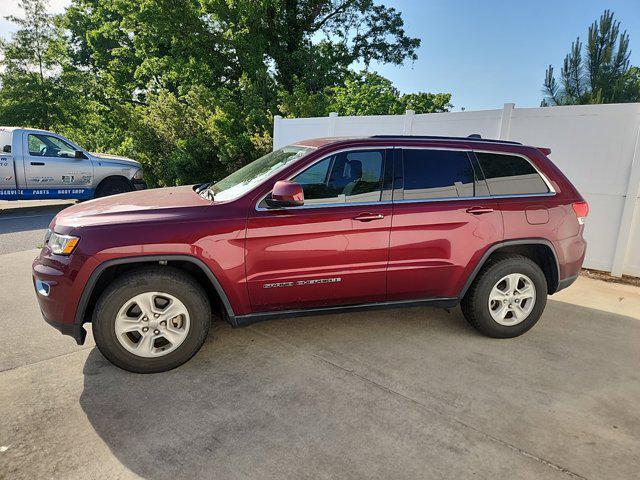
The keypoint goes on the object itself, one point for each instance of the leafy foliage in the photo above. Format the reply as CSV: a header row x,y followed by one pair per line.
x,y
371,94
599,73
190,87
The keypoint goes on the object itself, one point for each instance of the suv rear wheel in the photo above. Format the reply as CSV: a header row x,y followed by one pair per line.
x,y
507,298
151,320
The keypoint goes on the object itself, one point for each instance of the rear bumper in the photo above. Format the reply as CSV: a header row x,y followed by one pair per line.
x,y
570,253
566,282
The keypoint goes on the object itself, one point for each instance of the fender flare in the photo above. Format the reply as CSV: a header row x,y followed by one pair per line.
x,y
79,332
508,243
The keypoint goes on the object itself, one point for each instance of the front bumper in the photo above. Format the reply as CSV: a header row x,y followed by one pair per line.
x,y
57,292
76,331
139,184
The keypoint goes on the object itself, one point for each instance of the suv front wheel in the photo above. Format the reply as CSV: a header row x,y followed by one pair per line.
x,y
507,298
151,319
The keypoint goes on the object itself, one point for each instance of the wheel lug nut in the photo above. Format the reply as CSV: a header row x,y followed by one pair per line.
x,y
145,329
156,315
156,332
163,323
145,319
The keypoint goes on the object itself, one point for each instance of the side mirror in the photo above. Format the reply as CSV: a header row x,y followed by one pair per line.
x,y
286,194
79,154
6,149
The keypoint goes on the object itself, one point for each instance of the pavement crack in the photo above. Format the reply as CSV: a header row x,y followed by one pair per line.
x,y
522,452
391,391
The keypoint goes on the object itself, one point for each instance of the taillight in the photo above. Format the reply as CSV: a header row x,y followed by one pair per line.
x,y
582,210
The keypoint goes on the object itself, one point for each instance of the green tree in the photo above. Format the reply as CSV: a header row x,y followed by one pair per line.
x,y
140,47
368,93
233,64
190,87
31,62
598,73
40,87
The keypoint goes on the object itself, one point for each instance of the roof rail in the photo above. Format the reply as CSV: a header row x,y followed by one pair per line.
x,y
473,137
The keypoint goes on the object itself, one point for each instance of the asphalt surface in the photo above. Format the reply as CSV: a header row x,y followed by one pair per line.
x,y
412,393
23,228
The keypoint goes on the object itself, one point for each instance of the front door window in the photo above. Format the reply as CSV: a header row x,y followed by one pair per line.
x,y
41,145
346,177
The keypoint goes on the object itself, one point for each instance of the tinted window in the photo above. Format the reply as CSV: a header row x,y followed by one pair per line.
x,y
510,174
346,177
437,174
316,173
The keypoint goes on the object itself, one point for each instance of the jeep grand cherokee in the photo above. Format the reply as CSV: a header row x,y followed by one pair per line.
x,y
325,225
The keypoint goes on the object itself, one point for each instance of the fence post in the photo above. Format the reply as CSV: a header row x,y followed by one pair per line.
x,y
331,127
408,122
276,131
628,213
505,121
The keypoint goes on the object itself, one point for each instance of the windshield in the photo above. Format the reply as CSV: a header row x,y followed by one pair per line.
x,y
250,176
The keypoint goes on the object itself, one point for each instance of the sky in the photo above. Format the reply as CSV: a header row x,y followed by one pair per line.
x,y
491,52
484,52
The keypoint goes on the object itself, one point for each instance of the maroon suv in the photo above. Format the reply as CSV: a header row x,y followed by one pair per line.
x,y
327,225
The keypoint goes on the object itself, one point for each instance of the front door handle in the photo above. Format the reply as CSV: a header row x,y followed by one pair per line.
x,y
479,210
37,164
369,217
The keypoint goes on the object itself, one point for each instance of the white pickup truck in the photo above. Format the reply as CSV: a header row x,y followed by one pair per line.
x,y
36,164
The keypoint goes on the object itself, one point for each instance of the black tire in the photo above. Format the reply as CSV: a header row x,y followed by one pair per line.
x,y
156,278
113,186
475,304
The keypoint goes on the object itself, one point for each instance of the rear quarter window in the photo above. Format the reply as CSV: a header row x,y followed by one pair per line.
x,y
510,175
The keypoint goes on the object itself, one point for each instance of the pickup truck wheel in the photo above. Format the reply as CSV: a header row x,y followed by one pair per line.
x,y
507,298
151,320
113,186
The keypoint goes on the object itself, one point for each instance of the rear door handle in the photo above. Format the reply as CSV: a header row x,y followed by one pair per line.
x,y
479,210
38,164
368,217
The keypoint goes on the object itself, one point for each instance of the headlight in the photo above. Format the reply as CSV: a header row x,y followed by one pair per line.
x,y
138,175
61,244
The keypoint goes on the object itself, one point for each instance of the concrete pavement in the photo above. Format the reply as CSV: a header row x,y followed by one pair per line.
x,y
413,393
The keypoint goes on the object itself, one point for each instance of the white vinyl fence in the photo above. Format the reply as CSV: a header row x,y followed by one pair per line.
x,y
596,146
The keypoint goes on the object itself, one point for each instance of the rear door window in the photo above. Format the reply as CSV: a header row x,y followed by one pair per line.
x,y
432,174
510,175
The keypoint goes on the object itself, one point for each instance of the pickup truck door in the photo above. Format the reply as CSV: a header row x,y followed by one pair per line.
x,y
331,251
7,177
49,162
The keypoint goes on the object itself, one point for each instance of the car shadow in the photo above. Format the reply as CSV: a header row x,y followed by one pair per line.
x,y
385,394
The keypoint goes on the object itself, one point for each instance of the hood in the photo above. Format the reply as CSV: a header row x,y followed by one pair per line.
x,y
115,159
145,205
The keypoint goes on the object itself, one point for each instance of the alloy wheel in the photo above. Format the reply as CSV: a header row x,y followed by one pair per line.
x,y
152,324
511,299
